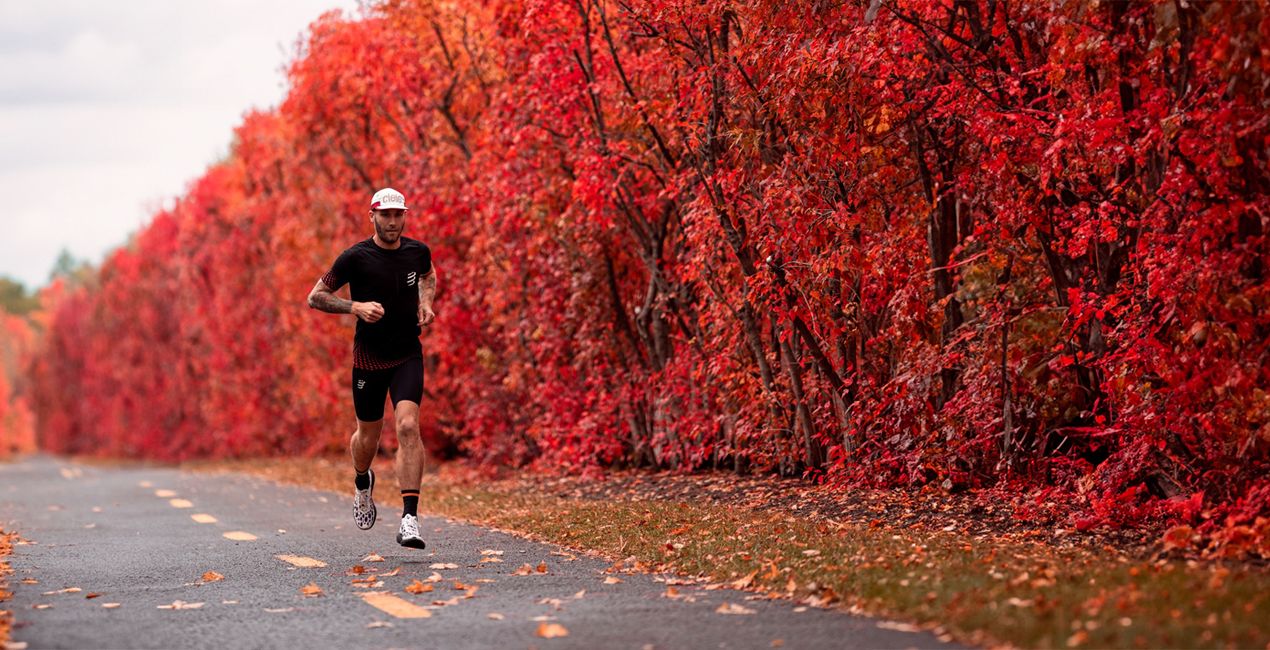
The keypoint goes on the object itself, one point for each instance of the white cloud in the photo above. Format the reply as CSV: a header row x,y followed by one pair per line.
x,y
109,108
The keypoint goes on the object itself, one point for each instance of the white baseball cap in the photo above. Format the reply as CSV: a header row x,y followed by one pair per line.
x,y
388,199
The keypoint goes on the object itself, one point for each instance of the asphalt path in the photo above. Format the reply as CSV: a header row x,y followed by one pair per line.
x,y
120,558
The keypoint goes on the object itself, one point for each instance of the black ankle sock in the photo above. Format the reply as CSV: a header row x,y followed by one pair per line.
x,y
410,502
362,479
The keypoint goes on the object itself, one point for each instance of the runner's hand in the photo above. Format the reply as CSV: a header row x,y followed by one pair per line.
x,y
368,311
426,316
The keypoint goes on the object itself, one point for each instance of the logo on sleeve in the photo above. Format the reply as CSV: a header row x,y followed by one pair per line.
x,y
410,279
361,383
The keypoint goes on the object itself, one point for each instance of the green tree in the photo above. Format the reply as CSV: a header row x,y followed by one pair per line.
x,y
14,297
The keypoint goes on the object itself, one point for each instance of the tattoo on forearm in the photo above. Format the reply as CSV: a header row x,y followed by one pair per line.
x,y
428,288
322,299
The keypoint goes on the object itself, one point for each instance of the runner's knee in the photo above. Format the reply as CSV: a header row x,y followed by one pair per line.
x,y
370,429
408,423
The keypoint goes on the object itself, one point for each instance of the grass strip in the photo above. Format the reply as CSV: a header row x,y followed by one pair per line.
x,y
6,616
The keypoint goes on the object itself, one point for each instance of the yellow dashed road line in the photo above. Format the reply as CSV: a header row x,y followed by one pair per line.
x,y
239,536
164,494
301,561
203,519
181,503
395,606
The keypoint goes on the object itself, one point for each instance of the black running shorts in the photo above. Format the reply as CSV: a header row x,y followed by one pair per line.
x,y
404,382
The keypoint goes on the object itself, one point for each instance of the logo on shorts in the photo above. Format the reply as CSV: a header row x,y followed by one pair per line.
x,y
361,383
410,279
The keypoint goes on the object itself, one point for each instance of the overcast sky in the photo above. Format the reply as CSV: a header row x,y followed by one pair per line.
x,y
109,108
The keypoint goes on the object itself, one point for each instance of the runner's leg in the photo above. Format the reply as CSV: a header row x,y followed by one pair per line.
x,y
407,392
364,444
409,447
369,389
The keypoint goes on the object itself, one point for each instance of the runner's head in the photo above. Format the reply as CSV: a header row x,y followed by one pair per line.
x,y
388,213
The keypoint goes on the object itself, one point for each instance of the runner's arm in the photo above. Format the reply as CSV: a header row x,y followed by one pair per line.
x,y
322,298
427,292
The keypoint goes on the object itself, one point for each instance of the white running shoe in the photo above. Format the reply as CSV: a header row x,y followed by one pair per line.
x,y
408,534
364,505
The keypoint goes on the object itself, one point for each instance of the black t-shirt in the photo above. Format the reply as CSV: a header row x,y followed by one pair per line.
x,y
391,278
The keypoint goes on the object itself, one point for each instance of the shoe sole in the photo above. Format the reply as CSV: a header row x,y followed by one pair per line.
x,y
413,542
374,512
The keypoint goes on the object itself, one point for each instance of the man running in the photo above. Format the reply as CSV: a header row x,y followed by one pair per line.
x,y
392,283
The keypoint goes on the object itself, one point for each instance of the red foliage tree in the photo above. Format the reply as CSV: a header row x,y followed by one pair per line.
x,y
959,242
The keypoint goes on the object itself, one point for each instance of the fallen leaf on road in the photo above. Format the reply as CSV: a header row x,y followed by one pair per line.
x,y
490,560
109,605
579,595
491,552
486,580
551,630
417,587
302,562
373,557
42,606
446,603
375,624
279,610
368,583
391,573
541,568
30,581
733,608
443,565
746,581
92,596
212,576
435,577
523,570
311,589
569,557
825,598
68,590
496,616
612,580
671,592
181,604
897,626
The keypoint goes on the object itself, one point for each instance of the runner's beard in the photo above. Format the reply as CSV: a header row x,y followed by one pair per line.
x,y
386,236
